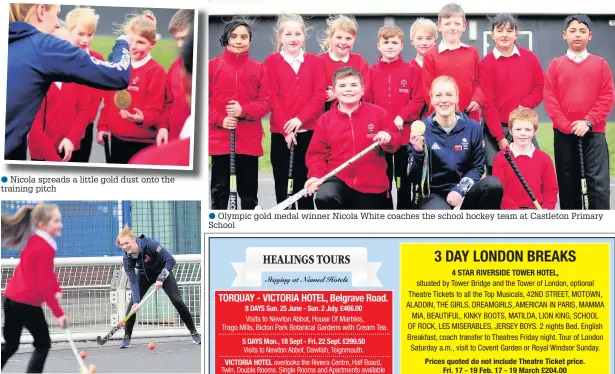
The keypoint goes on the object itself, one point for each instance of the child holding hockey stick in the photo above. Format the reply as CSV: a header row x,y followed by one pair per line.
x,y
33,282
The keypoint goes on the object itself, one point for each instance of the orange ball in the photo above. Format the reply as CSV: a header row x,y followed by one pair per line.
x,y
151,346
83,354
122,323
92,368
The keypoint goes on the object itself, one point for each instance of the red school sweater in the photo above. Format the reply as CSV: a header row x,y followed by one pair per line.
x,y
396,87
240,78
462,65
506,83
175,153
300,95
176,108
338,137
355,60
33,281
64,113
539,174
577,91
146,86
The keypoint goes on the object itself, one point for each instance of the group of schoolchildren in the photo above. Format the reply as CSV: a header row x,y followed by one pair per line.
x,y
331,106
63,127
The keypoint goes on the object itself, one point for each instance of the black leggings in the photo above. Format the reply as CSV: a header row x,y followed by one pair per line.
x,y
17,316
123,150
486,194
172,290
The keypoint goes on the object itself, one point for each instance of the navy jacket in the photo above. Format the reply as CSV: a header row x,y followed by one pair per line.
x,y
451,156
36,60
152,261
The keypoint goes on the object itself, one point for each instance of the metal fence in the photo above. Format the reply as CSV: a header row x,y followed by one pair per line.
x,y
96,292
91,227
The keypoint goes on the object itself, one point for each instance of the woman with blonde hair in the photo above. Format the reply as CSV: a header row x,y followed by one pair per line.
x,y
146,263
33,282
36,59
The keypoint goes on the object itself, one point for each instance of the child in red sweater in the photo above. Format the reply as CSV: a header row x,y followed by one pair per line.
x,y
347,129
535,165
59,126
578,97
238,100
33,282
81,23
176,108
423,36
455,59
136,127
178,151
396,88
340,37
298,90
511,77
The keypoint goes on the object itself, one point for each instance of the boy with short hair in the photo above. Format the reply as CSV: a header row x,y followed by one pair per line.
x,y
578,97
346,129
396,88
535,165
455,59
81,23
423,36
176,108
510,77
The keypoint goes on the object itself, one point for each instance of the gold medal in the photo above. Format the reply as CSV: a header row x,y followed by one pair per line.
x,y
122,99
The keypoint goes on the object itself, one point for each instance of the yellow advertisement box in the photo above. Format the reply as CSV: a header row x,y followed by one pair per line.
x,y
505,308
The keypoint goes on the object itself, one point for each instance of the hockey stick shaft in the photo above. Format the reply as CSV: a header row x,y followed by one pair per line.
x,y
116,328
303,192
232,198
73,347
584,197
527,188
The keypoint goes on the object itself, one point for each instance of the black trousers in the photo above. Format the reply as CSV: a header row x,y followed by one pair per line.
x,y
85,148
172,290
568,169
491,145
397,165
484,194
17,316
280,156
334,194
246,169
122,151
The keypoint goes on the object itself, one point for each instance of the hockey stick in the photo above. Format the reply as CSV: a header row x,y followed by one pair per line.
x,y
116,328
521,179
584,196
296,197
465,183
291,162
232,196
107,148
82,368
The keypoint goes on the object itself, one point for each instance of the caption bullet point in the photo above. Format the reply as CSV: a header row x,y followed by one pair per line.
x,y
212,216
5,179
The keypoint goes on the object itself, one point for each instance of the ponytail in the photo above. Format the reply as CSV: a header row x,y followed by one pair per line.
x,y
16,229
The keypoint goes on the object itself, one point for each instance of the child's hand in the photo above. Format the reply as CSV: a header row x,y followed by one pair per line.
x,y
291,138
399,122
233,109
135,308
229,123
417,141
61,321
330,96
162,138
312,185
158,285
382,137
99,137
474,106
59,295
136,118
454,198
580,128
292,125
68,147
503,144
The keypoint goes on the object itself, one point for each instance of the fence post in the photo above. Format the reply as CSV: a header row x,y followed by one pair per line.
x,y
126,214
